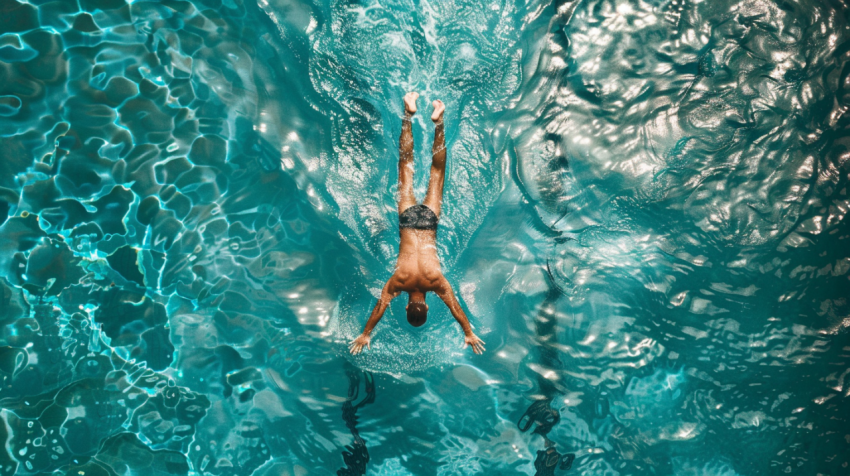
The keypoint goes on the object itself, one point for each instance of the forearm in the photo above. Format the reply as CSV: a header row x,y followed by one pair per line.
x,y
459,315
461,319
377,314
372,322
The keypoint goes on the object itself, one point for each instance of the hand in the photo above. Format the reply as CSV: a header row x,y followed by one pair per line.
x,y
476,343
357,344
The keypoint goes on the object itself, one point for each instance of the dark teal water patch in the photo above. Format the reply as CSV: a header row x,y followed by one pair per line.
x,y
9,105
645,218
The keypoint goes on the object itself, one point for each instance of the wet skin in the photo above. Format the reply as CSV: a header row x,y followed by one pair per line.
x,y
417,269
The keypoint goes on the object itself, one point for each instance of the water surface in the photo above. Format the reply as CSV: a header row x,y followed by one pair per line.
x,y
644,219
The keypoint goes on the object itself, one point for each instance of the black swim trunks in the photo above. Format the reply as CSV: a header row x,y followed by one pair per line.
x,y
418,217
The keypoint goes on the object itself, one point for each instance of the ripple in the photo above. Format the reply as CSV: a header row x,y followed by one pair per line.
x,y
645,218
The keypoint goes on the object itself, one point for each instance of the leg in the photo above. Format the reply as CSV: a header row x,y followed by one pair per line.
x,y
406,198
434,197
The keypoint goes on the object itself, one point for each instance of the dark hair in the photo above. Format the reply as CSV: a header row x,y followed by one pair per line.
x,y
417,313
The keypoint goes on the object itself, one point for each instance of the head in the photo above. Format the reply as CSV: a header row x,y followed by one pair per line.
x,y
417,310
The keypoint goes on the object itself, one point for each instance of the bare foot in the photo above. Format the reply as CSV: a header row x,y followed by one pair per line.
x,y
410,102
439,107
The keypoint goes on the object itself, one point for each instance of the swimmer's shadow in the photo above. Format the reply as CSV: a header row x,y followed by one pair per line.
x,y
356,455
545,417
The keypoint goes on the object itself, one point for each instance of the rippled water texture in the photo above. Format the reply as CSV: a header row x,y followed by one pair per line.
x,y
645,218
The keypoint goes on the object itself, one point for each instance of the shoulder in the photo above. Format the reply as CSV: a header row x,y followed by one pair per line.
x,y
440,285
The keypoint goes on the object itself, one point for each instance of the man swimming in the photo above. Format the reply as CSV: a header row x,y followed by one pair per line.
x,y
418,268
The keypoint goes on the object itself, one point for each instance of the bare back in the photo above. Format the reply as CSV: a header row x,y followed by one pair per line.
x,y
418,266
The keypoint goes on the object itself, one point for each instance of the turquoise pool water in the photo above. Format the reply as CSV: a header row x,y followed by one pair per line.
x,y
644,219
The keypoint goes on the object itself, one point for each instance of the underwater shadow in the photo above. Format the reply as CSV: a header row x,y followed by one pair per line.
x,y
540,412
356,455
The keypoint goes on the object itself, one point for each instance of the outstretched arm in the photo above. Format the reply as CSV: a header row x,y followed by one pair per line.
x,y
448,296
387,295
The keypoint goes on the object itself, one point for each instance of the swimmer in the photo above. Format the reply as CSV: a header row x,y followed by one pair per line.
x,y
418,267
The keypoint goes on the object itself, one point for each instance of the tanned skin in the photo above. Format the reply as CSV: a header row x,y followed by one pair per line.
x,y
418,267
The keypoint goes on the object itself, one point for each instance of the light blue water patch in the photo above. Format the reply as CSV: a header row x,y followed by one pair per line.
x,y
662,388
711,468
644,217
